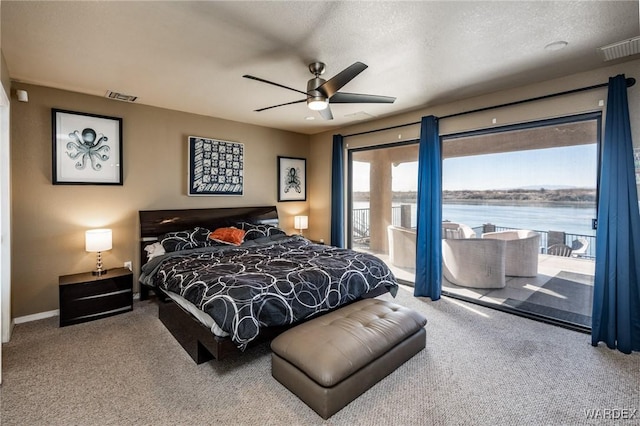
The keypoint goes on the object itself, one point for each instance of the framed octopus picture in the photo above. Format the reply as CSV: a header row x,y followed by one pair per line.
x,y
292,179
87,148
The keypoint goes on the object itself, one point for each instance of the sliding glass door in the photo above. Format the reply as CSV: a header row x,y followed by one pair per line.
x,y
517,181
535,178
382,202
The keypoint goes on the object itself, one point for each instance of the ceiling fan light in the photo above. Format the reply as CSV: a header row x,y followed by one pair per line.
x,y
318,103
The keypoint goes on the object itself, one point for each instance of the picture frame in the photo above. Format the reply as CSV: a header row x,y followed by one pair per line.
x,y
87,148
216,167
292,179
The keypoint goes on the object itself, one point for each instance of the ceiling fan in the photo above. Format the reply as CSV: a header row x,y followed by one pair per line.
x,y
321,92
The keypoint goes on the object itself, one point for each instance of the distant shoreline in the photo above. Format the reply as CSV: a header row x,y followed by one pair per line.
x,y
515,197
517,202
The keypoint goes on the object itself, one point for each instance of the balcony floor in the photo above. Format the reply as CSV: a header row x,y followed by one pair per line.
x,y
562,292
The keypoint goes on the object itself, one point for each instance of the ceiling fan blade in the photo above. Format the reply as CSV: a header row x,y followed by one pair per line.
x,y
360,98
326,113
272,83
276,106
331,86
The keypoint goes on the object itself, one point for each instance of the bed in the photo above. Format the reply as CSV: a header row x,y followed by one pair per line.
x,y
220,292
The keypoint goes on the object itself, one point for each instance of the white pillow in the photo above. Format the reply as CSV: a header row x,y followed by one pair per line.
x,y
154,250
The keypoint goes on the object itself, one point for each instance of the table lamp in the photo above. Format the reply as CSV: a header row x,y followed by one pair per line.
x,y
98,240
301,222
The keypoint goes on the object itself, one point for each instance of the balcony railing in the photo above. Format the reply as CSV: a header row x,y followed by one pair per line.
x,y
567,238
361,226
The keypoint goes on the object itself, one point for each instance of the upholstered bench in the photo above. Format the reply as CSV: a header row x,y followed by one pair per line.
x,y
331,360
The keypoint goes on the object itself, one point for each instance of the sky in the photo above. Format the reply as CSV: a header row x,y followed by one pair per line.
x,y
574,166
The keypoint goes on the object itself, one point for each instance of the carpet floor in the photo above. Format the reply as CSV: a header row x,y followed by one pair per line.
x,y
480,367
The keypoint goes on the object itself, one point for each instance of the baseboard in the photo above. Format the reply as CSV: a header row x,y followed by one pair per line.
x,y
7,337
49,314
36,317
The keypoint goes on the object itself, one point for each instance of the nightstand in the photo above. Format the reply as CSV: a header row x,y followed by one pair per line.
x,y
86,297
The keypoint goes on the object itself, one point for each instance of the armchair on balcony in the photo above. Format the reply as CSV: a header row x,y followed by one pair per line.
x,y
456,230
402,246
522,248
402,242
559,250
579,247
474,262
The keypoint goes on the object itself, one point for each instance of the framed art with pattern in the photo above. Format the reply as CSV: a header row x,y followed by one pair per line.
x,y
292,179
87,148
216,167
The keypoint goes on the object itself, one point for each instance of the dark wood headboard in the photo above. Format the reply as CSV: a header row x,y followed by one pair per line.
x,y
154,223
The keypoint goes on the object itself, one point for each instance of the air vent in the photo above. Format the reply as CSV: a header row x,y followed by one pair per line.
x,y
621,49
120,97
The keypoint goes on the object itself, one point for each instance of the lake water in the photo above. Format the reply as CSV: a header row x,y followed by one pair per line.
x,y
567,218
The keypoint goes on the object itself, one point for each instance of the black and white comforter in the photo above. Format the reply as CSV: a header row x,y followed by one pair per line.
x,y
280,281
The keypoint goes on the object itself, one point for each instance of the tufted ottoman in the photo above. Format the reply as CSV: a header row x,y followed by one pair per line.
x,y
330,360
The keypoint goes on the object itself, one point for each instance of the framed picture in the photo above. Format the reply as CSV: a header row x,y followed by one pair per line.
x,y
215,167
292,179
87,148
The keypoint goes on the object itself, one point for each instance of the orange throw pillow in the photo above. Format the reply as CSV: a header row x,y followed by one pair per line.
x,y
232,236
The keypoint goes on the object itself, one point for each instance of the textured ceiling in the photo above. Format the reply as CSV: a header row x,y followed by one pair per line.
x,y
191,56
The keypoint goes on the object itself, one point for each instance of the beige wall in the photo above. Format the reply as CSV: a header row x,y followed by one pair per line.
x,y
49,220
4,75
321,144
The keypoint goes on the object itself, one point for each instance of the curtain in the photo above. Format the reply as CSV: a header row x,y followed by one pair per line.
x,y
428,281
337,192
616,297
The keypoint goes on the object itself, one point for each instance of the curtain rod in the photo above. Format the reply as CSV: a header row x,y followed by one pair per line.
x,y
630,82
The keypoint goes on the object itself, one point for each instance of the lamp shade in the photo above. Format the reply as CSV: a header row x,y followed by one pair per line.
x,y
301,222
97,240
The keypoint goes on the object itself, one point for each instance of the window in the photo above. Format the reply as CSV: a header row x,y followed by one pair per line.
x,y
538,177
